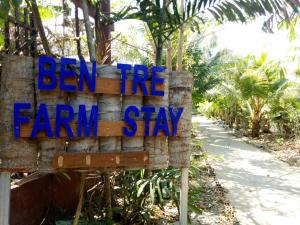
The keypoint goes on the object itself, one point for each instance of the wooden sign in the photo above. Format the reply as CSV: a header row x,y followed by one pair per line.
x,y
69,114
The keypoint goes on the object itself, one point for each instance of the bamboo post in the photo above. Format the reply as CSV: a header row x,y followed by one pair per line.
x,y
4,198
184,196
158,146
49,147
181,96
17,86
132,143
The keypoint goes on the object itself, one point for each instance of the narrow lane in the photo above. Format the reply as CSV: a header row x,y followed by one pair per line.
x,y
263,190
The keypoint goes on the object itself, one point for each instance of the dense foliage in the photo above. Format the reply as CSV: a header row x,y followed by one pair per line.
x,y
255,94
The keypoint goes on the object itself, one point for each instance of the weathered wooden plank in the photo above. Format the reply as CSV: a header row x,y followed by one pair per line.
x,y
101,160
105,129
4,198
181,96
16,86
158,146
111,86
130,144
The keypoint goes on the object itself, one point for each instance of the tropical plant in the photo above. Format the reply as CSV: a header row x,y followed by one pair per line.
x,y
207,69
163,18
258,83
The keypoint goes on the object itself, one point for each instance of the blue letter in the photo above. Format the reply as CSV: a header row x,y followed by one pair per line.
x,y
148,110
84,73
60,121
50,73
140,80
175,119
64,72
131,122
123,68
83,121
42,115
156,80
161,123
18,119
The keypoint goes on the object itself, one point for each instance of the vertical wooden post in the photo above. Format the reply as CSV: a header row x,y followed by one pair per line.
x,y
17,30
184,196
6,37
33,34
4,198
26,48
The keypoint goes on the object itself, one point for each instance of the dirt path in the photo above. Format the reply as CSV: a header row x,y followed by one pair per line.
x,y
263,190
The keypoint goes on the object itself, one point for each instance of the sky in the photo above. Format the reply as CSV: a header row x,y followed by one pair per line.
x,y
250,38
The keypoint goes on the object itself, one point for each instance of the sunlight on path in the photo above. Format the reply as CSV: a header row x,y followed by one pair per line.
x,y
263,190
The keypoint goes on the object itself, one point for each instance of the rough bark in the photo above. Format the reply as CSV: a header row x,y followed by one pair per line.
x,y
255,128
49,147
16,87
40,27
158,146
110,109
181,96
102,31
169,57
89,31
77,33
132,143
84,144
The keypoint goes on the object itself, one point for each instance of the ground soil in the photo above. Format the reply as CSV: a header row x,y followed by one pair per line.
x,y
287,149
205,193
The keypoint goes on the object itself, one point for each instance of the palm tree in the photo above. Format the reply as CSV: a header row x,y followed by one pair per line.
x,y
258,82
163,18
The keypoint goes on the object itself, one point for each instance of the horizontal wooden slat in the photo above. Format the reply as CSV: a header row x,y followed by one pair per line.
x,y
101,160
105,129
111,86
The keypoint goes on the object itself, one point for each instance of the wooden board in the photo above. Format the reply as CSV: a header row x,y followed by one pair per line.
x,y
110,86
101,160
105,129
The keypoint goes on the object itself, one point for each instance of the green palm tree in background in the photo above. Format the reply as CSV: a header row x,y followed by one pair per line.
x,y
258,82
163,18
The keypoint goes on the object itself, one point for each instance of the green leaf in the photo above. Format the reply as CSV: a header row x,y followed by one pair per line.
x,y
141,188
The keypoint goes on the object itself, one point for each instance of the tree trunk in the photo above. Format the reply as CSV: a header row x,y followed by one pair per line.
x,y
159,51
103,38
180,85
77,34
158,146
40,27
89,31
180,42
255,128
169,56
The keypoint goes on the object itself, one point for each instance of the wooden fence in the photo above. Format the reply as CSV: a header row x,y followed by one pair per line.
x,y
20,34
